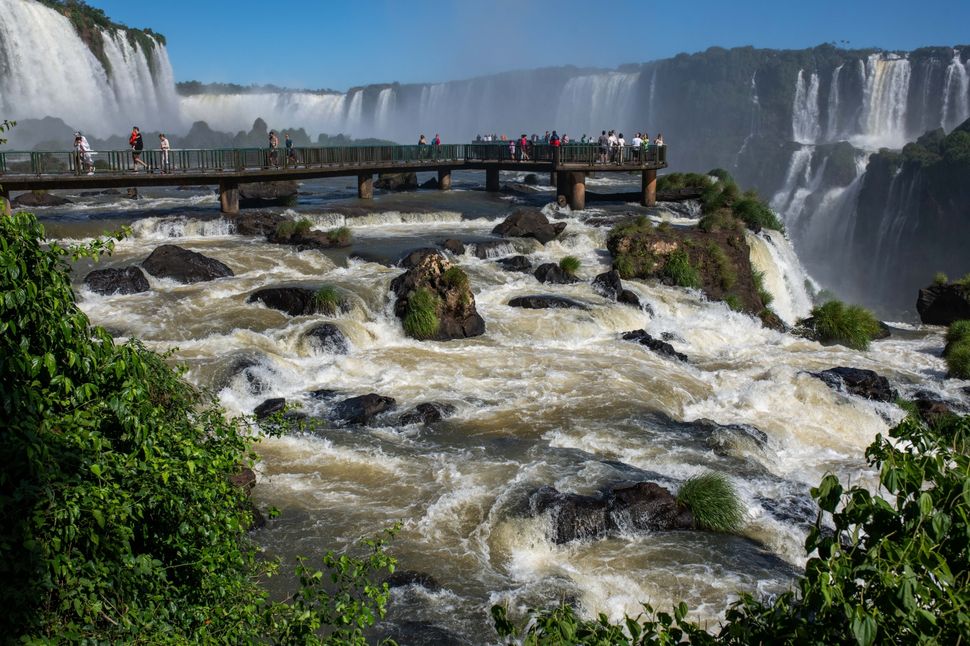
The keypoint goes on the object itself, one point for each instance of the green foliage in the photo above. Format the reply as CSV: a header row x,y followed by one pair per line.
x,y
713,501
676,181
421,317
850,325
455,278
957,332
328,300
958,359
721,174
570,265
120,523
680,271
940,279
893,569
756,214
726,274
340,236
625,266
6,125
293,228
964,282
759,285
734,302
720,220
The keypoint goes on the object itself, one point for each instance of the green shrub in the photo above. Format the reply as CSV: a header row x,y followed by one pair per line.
x,y
939,278
964,282
121,524
958,331
328,300
734,302
721,174
958,359
849,325
727,276
421,317
680,271
303,226
713,501
340,236
570,265
625,266
759,285
756,214
455,277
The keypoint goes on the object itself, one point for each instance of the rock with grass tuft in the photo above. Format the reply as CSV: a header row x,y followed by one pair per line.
x,y
714,503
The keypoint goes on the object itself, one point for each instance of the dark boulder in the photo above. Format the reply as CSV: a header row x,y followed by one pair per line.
x,y
420,633
516,263
184,266
451,245
427,413
491,249
573,517
552,273
628,297
608,285
107,191
932,410
943,304
295,301
414,258
529,223
397,182
405,578
859,382
269,406
328,338
39,198
658,346
257,223
254,369
306,238
261,194
454,302
531,180
363,409
129,280
646,506
543,302
431,183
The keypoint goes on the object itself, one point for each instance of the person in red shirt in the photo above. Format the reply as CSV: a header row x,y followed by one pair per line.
x,y
523,145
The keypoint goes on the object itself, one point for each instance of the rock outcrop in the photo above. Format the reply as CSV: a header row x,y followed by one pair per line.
x,y
39,198
435,300
295,301
943,304
397,182
328,338
529,223
262,194
362,410
184,266
859,382
256,223
660,347
128,280
516,263
426,413
545,301
608,285
552,273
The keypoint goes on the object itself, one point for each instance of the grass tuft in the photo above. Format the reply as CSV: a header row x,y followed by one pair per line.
x,y
455,277
759,286
570,265
679,270
339,237
328,300
850,325
958,359
421,319
713,501
734,302
940,279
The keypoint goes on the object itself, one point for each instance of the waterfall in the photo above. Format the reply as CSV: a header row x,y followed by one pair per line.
x,y
832,130
385,103
78,88
798,174
595,102
651,103
755,119
234,112
956,93
784,276
805,121
885,94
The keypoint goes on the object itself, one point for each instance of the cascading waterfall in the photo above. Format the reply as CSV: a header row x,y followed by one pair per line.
x,y
755,118
805,121
956,93
798,174
832,130
234,112
79,88
886,91
783,274
385,104
595,102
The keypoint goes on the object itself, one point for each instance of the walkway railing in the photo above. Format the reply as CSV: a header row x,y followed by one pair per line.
x,y
238,159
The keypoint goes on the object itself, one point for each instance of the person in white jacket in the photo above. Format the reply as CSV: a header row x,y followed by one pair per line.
x,y
83,151
165,147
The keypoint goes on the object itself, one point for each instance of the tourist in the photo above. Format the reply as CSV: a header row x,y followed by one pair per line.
x,y
546,138
612,144
511,149
274,144
82,154
137,146
523,148
636,144
290,151
659,141
620,143
165,147
565,139
437,139
604,143
584,139
478,139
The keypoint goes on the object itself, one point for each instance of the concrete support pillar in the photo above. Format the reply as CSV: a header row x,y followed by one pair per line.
x,y
444,180
553,178
229,196
576,190
491,180
648,188
4,201
365,186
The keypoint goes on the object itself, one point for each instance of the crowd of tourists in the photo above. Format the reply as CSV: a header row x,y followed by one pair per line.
x,y
612,146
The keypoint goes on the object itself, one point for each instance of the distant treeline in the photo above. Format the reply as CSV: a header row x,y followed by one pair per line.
x,y
192,88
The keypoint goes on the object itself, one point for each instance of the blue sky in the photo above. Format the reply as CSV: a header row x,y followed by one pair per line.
x,y
325,43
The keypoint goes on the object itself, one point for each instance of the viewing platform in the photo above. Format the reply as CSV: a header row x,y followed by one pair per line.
x,y
230,167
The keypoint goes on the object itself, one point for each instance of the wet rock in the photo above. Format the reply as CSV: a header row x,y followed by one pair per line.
x,y
128,280
362,410
39,198
107,191
262,194
451,245
552,273
295,301
427,413
405,578
414,258
328,338
251,367
859,382
796,509
256,223
454,306
531,180
431,183
628,297
132,193
323,394
943,304
646,506
726,439
184,266
573,517
268,407
608,285
491,249
306,238
658,346
529,223
931,408
516,263
421,633
543,301
396,181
